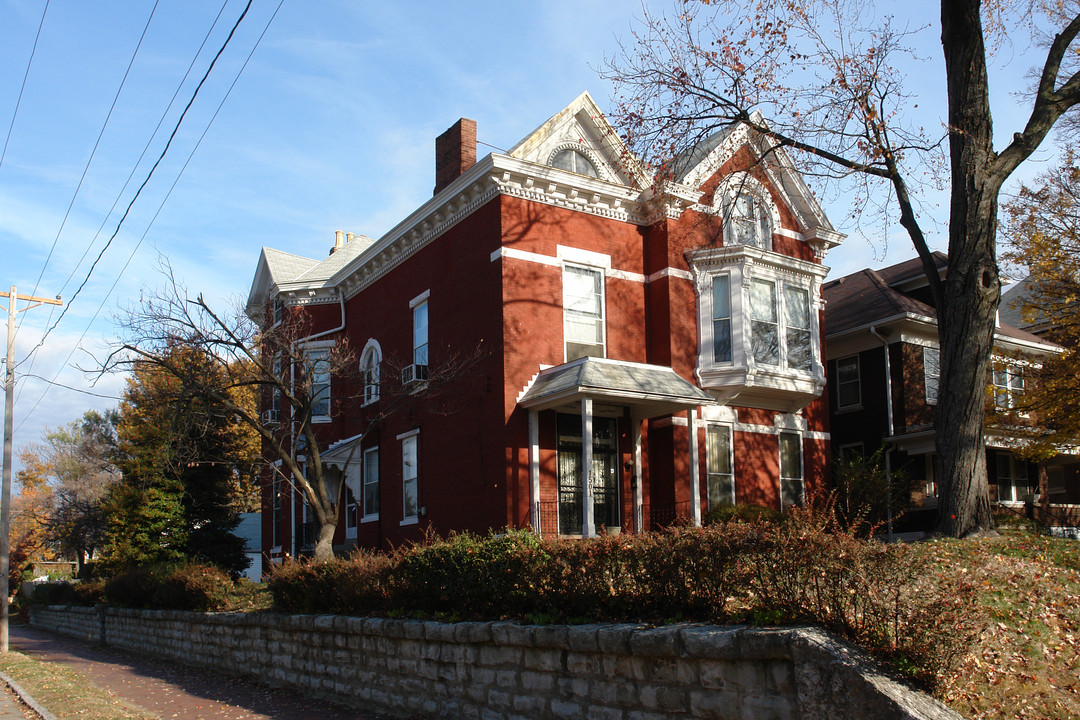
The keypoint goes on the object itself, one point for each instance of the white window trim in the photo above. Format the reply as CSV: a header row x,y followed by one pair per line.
x,y
305,347
802,464
372,346
409,519
731,455
365,517
603,302
744,183
858,383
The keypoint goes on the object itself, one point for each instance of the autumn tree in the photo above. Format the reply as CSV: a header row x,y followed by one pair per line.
x,y
185,462
276,361
1042,229
825,80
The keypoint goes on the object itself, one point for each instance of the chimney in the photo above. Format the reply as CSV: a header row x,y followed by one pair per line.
x,y
339,241
455,152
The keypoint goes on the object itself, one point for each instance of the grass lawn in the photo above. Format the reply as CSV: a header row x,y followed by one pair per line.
x,y
1026,663
64,693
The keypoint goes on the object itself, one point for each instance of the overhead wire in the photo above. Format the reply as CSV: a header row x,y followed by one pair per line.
x,y
163,201
22,88
33,356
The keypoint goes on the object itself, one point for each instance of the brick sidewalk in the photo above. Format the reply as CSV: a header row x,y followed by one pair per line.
x,y
174,691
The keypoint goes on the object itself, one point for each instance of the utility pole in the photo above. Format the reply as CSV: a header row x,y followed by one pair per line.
x,y
9,416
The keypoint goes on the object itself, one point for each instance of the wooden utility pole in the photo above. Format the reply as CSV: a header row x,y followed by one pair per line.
x,y
9,416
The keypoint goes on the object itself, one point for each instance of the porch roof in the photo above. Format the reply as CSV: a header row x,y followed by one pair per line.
x,y
649,390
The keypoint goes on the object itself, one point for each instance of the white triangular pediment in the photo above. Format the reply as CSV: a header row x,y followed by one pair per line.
x,y
583,127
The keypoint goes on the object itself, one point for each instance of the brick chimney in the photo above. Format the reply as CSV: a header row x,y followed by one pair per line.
x,y
455,152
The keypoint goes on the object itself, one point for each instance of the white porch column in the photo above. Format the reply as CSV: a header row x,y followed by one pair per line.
x,y
534,470
586,468
695,478
638,520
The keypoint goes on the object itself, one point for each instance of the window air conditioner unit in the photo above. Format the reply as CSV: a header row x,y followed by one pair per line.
x,y
412,374
270,416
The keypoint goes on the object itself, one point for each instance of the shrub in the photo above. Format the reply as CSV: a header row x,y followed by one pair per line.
x,y
743,514
171,587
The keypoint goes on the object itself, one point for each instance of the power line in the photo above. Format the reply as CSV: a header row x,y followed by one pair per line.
x,y
149,175
26,75
162,205
93,152
68,387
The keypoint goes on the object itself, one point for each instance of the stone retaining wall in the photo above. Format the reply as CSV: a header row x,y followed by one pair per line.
x,y
509,671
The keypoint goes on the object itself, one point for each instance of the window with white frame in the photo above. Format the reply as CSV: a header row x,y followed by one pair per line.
x,y
1012,478
721,313
798,334
573,161
718,464
278,310
350,514
274,413
747,217
583,311
410,475
420,333
931,359
791,469
370,361
318,369
1008,385
371,484
795,351
848,389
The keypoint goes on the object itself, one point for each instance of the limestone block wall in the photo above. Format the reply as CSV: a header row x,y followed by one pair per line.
x,y
509,671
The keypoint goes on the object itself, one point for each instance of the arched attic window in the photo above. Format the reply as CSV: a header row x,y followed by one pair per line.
x,y
747,213
574,161
370,361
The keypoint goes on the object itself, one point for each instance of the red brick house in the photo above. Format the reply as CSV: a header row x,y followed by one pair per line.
x,y
882,343
666,339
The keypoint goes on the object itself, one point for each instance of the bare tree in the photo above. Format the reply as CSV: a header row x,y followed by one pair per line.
x,y
289,372
823,79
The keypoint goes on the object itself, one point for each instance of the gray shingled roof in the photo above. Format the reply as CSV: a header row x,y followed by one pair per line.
x,y
659,388
329,266
285,267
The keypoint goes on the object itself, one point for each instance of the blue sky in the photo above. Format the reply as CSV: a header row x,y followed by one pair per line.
x,y
330,126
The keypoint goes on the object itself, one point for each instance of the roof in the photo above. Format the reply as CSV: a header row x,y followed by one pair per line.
x,y
1012,306
656,389
868,296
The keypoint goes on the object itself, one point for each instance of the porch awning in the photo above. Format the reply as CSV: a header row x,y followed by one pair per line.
x,y
649,390
345,457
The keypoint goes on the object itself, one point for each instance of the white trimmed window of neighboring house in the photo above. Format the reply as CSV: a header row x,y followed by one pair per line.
x,y
370,361
274,413
852,451
573,161
719,465
350,514
1012,478
848,386
792,490
371,485
410,478
931,373
583,312
1008,382
317,359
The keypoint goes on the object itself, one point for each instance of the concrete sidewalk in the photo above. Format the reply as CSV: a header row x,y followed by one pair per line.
x,y
11,708
169,690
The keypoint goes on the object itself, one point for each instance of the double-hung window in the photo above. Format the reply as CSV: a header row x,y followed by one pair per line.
x,y
791,469
371,484
800,354
274,413
764,322
747,220
721,325
796,352
1008,381
318,369
718,463
369,371
420,333
410,476
848,391
583,311
1012,478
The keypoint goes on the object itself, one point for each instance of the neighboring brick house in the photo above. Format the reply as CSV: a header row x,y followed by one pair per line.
x,y
681,325
870,310
1062,474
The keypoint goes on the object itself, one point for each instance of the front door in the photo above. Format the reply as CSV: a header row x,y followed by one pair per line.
x,y
604,476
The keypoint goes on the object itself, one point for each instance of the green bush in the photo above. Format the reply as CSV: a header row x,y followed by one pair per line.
x,y
172,587
88,593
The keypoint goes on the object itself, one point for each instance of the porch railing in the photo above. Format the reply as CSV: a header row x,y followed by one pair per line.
x,y
655,516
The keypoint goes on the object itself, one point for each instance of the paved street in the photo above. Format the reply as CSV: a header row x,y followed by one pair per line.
x,y
169,690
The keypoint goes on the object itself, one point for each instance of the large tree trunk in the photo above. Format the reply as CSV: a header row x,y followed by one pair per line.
x,y
324,546
967,304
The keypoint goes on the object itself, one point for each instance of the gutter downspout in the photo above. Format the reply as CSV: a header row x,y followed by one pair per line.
x,y
309,338
888,437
